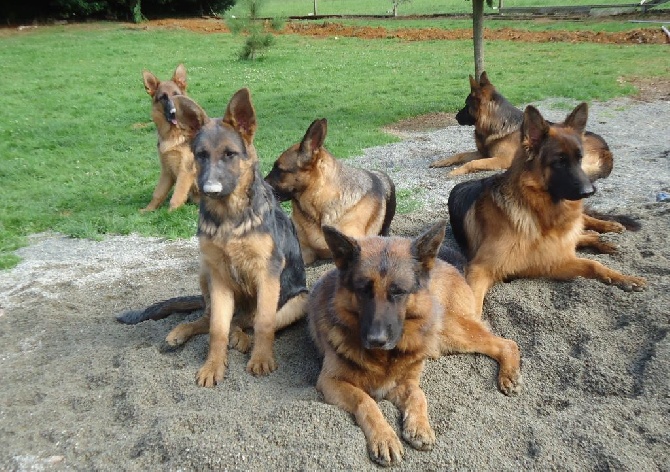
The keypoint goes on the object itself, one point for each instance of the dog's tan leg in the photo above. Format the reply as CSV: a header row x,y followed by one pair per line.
x,y
457,159
411,401
578,267
292,311
222,306
466,335
262,360
592,240
384,447
165,182
491,163
602,226
480,281
185,331
182,187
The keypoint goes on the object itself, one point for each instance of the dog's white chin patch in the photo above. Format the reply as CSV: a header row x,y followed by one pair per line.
x,y
212,187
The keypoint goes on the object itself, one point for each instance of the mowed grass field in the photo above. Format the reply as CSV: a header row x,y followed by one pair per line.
x,y
384,7
78,148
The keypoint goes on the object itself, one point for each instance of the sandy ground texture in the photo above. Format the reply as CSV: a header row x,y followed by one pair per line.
x,y
82,392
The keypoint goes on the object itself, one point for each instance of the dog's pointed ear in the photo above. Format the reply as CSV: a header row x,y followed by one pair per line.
x,y
190,115
179,77
578,118
314,138
151,82
240,114
427,244
474,85
533,130
345,250
484,79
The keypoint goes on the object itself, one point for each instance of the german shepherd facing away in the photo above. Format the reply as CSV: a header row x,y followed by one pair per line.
x,y
326,191
388,306
497,126
174,150
527,222
250,256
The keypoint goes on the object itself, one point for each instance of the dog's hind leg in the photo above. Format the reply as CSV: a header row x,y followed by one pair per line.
x,y
459,158
292,311
466,335
592,240
384,446
578,267
490,163
165,182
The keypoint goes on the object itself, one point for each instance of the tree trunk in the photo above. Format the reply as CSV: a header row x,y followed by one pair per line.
x,y
478,35
314,7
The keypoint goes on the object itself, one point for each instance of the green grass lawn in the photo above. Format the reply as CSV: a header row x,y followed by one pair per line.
x,y
383,7
78,148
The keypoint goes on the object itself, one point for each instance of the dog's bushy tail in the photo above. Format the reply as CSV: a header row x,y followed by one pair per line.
x,y
291,311
163,309
630,223
390,211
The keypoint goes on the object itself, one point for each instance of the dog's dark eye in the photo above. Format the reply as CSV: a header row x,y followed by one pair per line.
x,y
229,154
396,292
201,155
163,96
175,94
364,287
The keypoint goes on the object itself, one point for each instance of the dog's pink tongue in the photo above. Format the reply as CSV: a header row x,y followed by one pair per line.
x,y
173,121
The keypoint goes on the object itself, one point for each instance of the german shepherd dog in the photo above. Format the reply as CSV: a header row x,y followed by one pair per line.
x,y
387,306
497,126
326,191
174,150
250,255
527,221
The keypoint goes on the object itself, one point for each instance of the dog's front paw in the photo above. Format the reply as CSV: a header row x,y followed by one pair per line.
x,y
418,433
458,171
385,448
261,364
510,383
631,284
211,373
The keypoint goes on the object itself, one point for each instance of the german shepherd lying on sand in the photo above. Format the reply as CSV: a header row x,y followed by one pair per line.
x,y
388,306
174,149
497,126
527,222
250,255
326,191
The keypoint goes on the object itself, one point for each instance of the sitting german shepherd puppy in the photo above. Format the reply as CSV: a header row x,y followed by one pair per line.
x,y
497,126
326,191
527,222
250,256
388,306
174,149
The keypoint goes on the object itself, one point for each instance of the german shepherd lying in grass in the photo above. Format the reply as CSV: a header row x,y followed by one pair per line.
x,y
250,255
527,222
497,126
174,149
388,306
326,191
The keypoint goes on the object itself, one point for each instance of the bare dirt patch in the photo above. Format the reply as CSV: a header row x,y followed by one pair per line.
x,y
329,29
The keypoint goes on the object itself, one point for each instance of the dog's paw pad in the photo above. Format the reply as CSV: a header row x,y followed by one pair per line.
x,y
211,373
419,436
261,365
386,449
510,384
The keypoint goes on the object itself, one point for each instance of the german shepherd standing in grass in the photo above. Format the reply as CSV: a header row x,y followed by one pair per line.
x,y
250,256
388,306
497,126
527,222
326,191
174,149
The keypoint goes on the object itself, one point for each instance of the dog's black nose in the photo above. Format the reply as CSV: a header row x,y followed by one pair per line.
x,y
587,190
376,337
